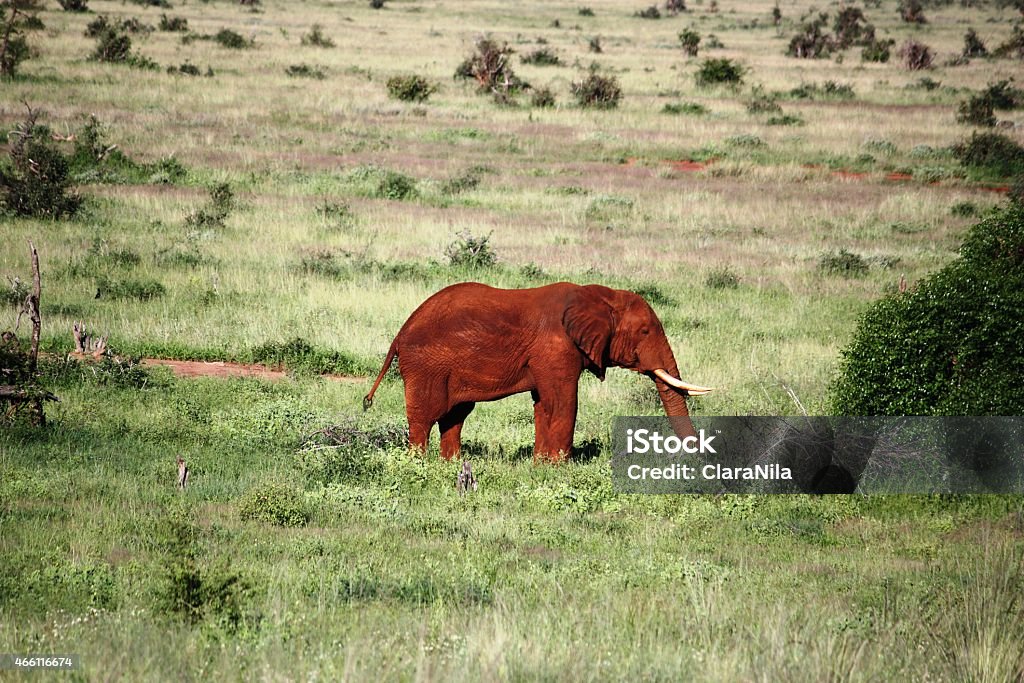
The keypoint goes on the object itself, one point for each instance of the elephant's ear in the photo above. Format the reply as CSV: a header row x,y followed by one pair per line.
x,y
589,321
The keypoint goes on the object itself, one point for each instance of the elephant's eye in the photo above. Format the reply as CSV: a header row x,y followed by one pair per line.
x,y
644,331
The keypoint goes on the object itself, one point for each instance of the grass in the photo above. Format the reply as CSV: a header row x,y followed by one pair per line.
x,y
344,202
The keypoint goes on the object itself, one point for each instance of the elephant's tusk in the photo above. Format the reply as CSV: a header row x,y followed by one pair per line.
x,y
690,389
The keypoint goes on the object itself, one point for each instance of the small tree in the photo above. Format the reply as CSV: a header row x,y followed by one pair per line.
x,y
973,47
36,183
597,91
410,88
491,67
851,28
877,51
690,40
721,71
14,14
912,12
916,56
812,41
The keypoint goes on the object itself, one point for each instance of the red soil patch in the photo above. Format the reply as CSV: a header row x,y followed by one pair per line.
x,y
689,165
895,177
1001,189
196,368
855,175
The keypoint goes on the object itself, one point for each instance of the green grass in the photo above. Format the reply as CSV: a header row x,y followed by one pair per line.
x,y
380,569
342,204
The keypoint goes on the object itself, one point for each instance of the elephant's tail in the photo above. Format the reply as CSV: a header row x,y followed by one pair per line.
x,y
392,352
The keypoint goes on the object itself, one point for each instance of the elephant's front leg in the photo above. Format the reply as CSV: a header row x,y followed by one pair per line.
x,y
554,416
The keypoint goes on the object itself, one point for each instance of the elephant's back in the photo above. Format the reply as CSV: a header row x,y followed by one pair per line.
x,y
472,311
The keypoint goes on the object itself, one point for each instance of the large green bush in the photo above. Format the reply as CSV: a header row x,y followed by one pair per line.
x,y
952,345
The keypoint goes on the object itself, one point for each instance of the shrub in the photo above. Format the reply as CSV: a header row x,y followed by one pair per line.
x,y
491,67
712,42
542,57
376,4
952,344
1003,95
585,12
305,71
877,51
851,28
964,209
36,182
977,111
1014,46
763,103
722,278
13,46
684,108
112,45
675,6
216,211
410,88
784,120
597,91
231,39
299,356
648,13
812,42
470,251
173,24
383,183
912,12
74,5
690,40
916,55
467,180
542,98
843,263
316,37
720,71
120,290
973,47
991,152
828,90
274,503
595,45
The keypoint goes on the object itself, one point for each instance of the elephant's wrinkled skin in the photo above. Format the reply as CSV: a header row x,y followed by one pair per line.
x,y
471,342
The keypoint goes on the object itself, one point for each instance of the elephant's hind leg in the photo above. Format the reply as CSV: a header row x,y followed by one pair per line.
x,y
451,429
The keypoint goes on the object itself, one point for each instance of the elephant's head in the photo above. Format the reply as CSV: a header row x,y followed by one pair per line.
x,y
616,328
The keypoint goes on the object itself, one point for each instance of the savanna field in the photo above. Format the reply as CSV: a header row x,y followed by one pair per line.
x,y
254,189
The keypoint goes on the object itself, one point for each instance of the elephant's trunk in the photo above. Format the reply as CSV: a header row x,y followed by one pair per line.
x,y
675,405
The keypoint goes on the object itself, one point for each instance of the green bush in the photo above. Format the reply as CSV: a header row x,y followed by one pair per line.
x,y
173,24
690,41
316,37
877,51
383,183
542,98
649,13
470,251
952,344
722,278
812,42
691,108
305,71
542,57
991,152
410,88
720,71
74,5
36,182
973,47
231,39
118,290
843,263
216,211
597,91
274,503
299,356
977,110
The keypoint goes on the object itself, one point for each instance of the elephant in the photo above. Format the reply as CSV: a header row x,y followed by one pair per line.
x,y
471,342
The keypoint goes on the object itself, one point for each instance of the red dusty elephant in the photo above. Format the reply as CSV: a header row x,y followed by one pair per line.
x,y
471,342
